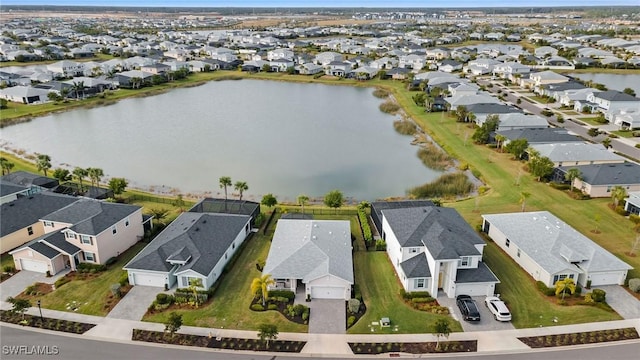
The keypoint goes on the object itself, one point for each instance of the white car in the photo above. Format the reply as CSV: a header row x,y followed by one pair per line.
x,y
498,308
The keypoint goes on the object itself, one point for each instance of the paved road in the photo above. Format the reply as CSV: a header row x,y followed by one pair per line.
x,y
76,347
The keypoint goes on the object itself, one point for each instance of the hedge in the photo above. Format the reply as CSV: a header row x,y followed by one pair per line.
x,y
281,293
364,224
544,289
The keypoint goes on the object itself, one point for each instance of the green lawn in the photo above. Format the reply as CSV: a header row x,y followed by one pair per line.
x,y
540,99
90,294
623,133
230,305
6,260
529,307
381,293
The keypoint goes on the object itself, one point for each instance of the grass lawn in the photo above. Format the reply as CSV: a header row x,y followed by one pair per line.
x,y
623,133
590,120
529,307
91,294
230,305
6,260
540,99
381,293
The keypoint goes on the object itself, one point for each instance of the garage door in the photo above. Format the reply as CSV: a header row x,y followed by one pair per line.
x,y
610,278
327,292
33,265
472,289
156,280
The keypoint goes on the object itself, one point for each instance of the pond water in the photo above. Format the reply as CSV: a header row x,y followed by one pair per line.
x,y
281,138
613,81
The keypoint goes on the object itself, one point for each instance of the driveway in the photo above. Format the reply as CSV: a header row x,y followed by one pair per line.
x,y
621,301
135,304
486,323
18,282
327,316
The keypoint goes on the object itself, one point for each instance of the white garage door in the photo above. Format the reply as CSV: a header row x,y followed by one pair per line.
x,y
472,289
156,280
609,278
327,292
33,265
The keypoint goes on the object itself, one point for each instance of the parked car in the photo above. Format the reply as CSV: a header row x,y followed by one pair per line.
x,y
468,308
498,308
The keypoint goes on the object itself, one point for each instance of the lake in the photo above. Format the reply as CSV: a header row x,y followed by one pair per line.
x,y
281,138
613,81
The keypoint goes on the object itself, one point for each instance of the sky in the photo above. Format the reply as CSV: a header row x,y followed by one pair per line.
x,y
328,3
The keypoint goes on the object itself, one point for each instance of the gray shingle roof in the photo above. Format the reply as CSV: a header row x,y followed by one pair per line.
x,y
378,206
28,179
57,240
44,249
7,188
576,151
91,217
25,211
543,237
415,267
614,95
442,230
608,174
540,135
480,274
492,109
309,249
205,237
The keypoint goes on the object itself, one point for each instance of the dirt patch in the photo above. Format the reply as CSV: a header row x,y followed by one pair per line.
x,y
414,348
590,337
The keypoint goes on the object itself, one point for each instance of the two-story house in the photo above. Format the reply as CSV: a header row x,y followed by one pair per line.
x,y
433,249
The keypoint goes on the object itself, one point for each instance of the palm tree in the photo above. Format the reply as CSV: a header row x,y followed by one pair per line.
x,y
64,92
618,193
225,181
6,165
572,174
95,174
302,201
260,286
241,187
606,142
500,140
77,87
562,286
523,198
43,163
80,173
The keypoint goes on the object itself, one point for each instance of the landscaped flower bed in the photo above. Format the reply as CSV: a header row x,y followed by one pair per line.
x,y
48,323
414,347
588,337
218,343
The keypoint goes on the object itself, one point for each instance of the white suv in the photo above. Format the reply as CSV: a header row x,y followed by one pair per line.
x,y
498,308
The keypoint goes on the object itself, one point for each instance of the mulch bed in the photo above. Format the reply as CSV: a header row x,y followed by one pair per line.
x,y
217,343
414,347
361,311
4,276
48,323
282,309
589,337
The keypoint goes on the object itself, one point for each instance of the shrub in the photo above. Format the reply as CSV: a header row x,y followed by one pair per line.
x,y
305,314
366,229
63,280
546,113
272,307
124,280
111,261
634,285
353,305
350,321
257,307
9,269
299,309
422,300
544,289
598,295
357,294
463,166
381,245
588,299
621,211
634,219
417,294
30,290
91,268
115,290
282,293
162,298
389,107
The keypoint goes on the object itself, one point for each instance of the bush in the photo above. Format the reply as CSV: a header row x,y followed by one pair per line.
x,y
463,166
124,280
544,289
634,285
30,290
9,269
162,298
257,307
272,307
305,315
282,293
421,300
415,294
621,211
115,290
598,295
299,309
634,219
357,294
366,229
381,245
91,268
111,261
63,280
353,305
350,321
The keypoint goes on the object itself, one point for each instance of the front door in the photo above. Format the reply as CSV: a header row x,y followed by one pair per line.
x,y
440,278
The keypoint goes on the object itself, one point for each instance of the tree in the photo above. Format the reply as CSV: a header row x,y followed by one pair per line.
x,y
269,200
240,187
6,165
4,104
95,174
442,330
62,175
53,96
629,91
173,323
260,287
334,199
194,285
266,68
77,88
523,199
135,82
267,332
80,173
225,182
593,132
539,166
117,185
500,141
43,162
302,201
571,175
618,193
606,142
564,286
517,148
19,305
483,133
159,214
462,113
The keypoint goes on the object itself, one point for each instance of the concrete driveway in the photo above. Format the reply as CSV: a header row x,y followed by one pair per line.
x,y
621,301
135,304
18,282
486,323
327,316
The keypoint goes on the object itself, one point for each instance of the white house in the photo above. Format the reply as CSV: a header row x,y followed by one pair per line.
x,y
316,254
550,250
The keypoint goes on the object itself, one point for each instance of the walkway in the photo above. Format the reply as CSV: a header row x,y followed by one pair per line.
x,y
621,301
135,303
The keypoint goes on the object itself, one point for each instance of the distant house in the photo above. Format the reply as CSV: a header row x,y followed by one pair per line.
x,y
24,94
550,250
66,68
598,180
34,182
539,135
309,69
155,69
10,191
612,100
632,203
449,66
325,58
574,154
314,254
432,248
482,111
517,120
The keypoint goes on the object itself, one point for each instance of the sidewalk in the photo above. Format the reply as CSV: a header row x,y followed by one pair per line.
x,y
120,330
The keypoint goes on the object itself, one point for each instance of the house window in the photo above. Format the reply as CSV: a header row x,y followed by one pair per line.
x,y
48,223
89,256
557,278
114,230
506,243
418,283
126,222
518,253
30,230
413,250
187,280
233,245
465,261
225,256
71,236
85,239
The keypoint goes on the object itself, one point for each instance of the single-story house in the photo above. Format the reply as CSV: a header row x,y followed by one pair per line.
x,y
513,121
550,250
24,94
577,153
316,254
539,135
10,191
36,183
597,180
632,203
